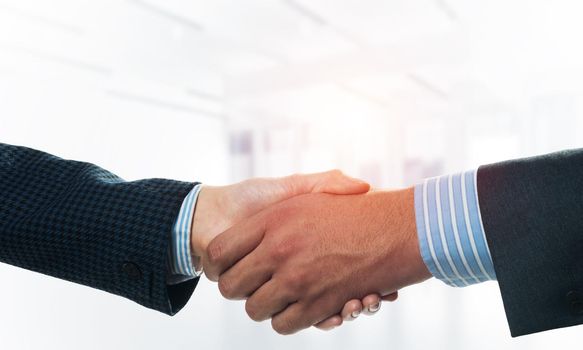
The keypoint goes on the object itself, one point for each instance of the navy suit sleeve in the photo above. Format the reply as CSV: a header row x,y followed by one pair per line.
x,y
532,210
78,222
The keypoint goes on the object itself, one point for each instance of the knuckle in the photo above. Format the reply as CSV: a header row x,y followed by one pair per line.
x,y
294,290
211,275
336,172
214,252
290,292
252,311
226,288
282,326
282,249
296,278
293,183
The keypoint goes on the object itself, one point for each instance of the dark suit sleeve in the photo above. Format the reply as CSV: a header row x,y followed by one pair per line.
x,y
78,222
532,211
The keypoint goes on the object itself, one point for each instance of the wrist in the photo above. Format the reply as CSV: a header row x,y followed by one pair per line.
x,y
416,269
200,221
209,219
403,256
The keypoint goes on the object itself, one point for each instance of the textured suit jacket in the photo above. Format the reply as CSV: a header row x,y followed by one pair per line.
x,y
532,210
78,222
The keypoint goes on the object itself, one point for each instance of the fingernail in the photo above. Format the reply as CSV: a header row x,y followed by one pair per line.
x,y
375,307
355,314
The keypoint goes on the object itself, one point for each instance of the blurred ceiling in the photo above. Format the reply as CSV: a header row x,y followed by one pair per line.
x,y
257,53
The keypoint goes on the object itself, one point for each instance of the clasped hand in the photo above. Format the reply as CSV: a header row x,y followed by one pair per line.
x,y
308,250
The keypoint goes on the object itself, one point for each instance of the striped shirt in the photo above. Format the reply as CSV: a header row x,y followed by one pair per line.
x,y
451,235
179,258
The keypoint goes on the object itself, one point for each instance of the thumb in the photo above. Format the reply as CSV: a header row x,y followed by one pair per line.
x,y
333,182
255,195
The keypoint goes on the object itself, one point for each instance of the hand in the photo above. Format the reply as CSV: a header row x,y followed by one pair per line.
x,y
218,208
302,259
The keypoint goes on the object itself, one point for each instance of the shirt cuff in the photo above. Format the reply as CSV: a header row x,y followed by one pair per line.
x,y
451,235
180,266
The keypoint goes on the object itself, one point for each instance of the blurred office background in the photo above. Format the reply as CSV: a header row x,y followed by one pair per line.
x,y
217,91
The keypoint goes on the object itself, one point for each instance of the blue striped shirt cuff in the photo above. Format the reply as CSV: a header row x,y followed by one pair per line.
x,y
451,235
179,258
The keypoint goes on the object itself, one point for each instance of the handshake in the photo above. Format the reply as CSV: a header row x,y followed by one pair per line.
x,y
307,250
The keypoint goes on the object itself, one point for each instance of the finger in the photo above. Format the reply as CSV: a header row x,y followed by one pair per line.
x,y
371,304
333,182
292,319
337,182
267,301
232,245
329,323
268,191
245,277
298,316
351,310
391,297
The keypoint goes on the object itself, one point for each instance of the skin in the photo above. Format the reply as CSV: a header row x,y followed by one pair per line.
x,y
299,261
220,207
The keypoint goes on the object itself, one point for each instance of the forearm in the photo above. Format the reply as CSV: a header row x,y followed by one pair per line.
x,y
398,208
532,210
518,222
78,222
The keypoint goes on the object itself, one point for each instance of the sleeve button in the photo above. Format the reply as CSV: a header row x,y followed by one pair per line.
x,y
131,270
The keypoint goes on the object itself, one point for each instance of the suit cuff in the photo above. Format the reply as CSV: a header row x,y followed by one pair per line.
x,y
180,264
451,235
